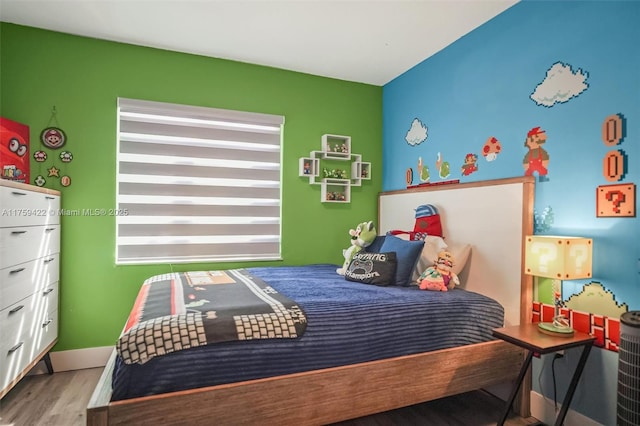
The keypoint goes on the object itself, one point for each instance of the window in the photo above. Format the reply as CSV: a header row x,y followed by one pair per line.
x,y
196,184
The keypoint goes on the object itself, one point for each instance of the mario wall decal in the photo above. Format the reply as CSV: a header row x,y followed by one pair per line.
x,y
469,165
537,159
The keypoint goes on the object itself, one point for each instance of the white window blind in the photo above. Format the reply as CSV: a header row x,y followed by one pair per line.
x,y
196,184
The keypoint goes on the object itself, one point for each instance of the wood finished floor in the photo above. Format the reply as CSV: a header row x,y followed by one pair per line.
x,y
60,400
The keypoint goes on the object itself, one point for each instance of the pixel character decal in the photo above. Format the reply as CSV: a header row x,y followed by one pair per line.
x,y
469,165
444,170
423,171
537,159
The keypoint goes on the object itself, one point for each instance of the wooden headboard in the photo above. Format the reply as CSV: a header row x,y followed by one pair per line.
x,y
493,217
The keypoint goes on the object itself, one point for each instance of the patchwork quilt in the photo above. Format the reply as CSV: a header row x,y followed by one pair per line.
x,y
188,309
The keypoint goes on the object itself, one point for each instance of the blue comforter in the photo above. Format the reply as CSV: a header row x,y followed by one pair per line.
x,y
348,323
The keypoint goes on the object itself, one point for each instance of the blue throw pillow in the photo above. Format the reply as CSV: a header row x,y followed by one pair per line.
x,y
407,253
374,247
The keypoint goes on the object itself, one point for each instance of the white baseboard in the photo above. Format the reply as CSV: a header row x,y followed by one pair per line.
x,y
543,409
76,359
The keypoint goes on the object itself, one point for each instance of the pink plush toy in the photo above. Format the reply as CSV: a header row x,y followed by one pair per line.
x,y
439,277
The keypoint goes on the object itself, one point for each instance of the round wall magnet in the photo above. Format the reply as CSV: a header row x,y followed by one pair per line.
x,y
53,137
54,171
40,156
65,181
40,181
66,156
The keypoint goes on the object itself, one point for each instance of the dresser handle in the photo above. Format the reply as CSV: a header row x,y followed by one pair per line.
x,y
16,309
18,193
47,291
50,229
49,198
18,232
15,271
15,348
47,322
51,259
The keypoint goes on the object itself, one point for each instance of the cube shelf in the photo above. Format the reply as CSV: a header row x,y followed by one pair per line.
x,y
336,183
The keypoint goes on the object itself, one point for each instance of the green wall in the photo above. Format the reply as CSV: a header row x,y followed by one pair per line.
x,y
83,77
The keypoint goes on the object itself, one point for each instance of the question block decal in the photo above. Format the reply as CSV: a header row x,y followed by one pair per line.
x,y
616,200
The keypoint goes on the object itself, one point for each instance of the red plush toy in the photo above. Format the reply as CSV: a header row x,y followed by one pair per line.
x,y
427,223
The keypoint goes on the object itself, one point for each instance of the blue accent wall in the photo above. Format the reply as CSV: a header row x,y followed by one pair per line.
x,y
481,86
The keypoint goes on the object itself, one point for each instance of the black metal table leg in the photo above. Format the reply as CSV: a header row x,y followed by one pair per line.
x,y
47,362
574,384
516,387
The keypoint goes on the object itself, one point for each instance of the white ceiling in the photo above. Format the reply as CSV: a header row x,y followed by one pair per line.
x,y
356,40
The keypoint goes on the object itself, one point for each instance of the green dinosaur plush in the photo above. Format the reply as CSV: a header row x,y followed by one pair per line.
x,y
361,237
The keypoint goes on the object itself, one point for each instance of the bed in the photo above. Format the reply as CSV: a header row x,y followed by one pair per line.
x,y
324,383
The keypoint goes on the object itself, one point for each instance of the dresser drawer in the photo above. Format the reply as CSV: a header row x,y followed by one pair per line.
x,y
34,319
19,281
26,208
48,327
13,361
22,244
25,334
48,302
24,319
15,320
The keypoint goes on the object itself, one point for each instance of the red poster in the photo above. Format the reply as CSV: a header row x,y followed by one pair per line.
x,y
14,151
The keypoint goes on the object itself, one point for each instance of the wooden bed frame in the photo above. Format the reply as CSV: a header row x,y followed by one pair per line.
x,y
334,394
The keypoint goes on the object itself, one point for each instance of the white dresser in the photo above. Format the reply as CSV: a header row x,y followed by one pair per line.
x,y
29,273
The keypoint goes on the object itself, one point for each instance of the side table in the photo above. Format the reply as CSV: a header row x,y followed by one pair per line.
x,y
528,336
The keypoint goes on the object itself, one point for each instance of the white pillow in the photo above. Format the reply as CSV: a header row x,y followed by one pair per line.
x,y
434,245
460,254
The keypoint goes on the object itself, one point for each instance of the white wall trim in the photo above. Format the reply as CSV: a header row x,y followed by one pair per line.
x,y
76,359
543,409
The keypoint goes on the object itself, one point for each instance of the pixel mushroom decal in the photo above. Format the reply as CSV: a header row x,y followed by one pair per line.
x,y
491,149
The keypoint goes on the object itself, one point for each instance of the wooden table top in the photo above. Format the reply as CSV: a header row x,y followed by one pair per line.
x,y
528,336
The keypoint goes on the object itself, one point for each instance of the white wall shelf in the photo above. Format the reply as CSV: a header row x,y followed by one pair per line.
x,y
335,183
